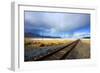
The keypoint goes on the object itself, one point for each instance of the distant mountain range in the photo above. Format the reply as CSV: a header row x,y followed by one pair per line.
x,y
86,37
34,35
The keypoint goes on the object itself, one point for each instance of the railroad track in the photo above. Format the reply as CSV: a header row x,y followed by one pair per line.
x,y
57,54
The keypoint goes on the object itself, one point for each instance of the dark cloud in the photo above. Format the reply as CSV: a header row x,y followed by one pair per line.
x,y
56,24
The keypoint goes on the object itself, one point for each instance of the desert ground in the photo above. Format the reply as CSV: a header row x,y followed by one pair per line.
x,y
37,47
81,51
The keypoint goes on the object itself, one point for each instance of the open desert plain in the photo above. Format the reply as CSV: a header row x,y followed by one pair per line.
x,y
56,49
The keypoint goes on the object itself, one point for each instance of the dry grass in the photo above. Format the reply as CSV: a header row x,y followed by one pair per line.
x,y
44,43
81,51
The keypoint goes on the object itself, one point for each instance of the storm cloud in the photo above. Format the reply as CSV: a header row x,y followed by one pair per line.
x,y
57,24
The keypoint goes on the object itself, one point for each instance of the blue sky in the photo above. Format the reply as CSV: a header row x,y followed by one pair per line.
x,y
64,25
